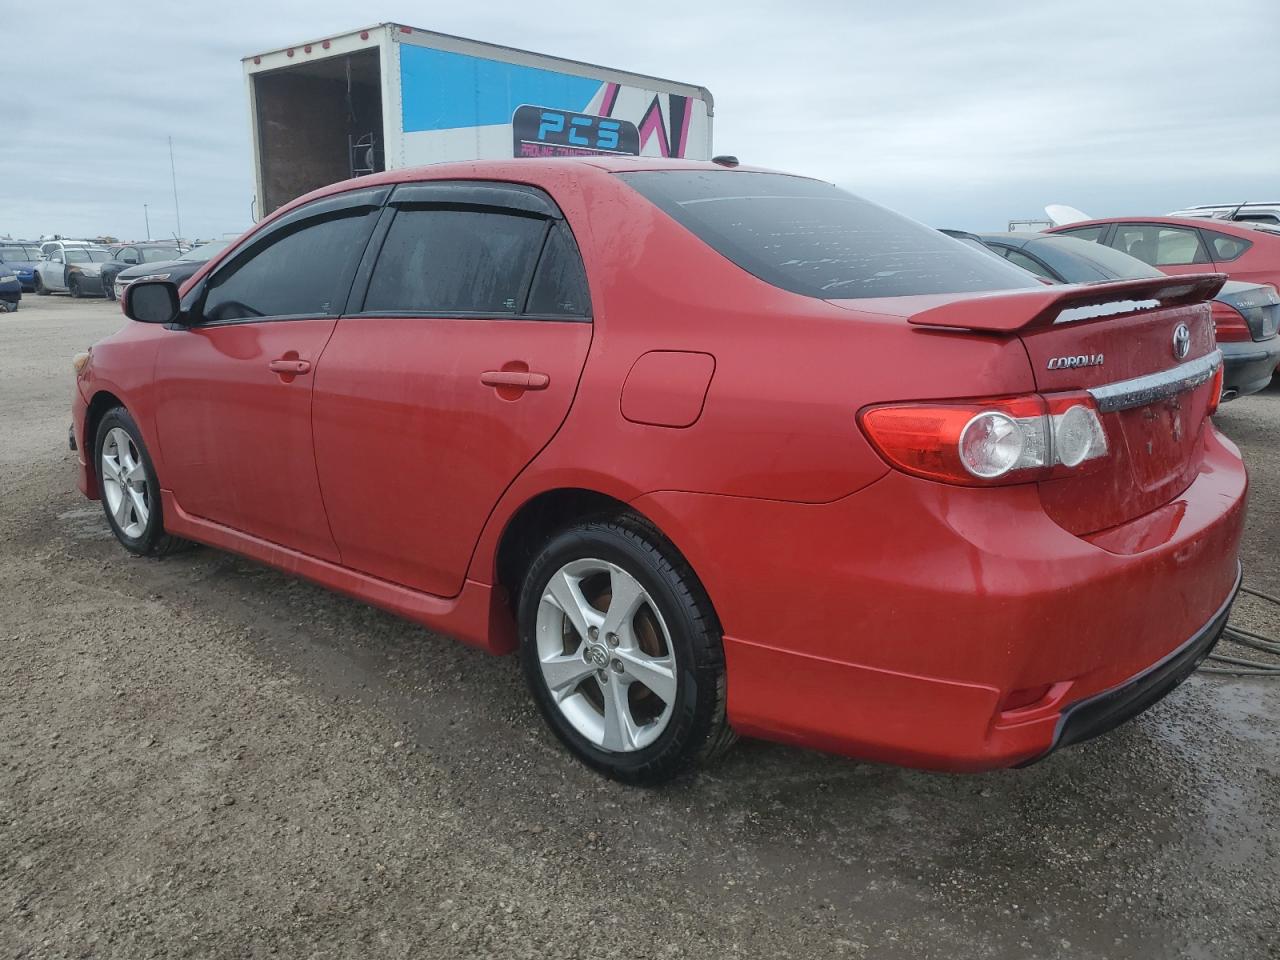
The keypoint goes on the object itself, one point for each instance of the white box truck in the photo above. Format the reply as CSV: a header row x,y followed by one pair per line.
x,y
393,96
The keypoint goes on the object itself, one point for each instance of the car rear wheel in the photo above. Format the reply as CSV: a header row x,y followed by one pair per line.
x,y
41,289
622,651
128,488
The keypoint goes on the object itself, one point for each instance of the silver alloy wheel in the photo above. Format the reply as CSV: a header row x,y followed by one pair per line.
x,y
606,655
124,483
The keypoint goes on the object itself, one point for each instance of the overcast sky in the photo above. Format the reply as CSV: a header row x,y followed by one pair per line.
x,y
959,114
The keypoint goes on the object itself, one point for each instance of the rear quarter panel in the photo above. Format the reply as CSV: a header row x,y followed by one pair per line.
x,y
790,374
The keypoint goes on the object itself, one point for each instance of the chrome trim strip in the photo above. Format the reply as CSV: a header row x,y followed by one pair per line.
x,y
1138,392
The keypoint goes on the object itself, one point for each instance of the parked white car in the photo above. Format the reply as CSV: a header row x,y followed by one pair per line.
x,y
72,266
1252,212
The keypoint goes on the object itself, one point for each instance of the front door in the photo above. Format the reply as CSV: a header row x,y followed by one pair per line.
x,y
234,390
458,368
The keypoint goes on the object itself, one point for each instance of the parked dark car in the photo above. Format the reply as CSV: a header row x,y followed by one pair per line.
x,y
20,257
10,290
176,270
1246,315
128,255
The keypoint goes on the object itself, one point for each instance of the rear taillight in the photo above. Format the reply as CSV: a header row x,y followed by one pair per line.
x,y
1215,391
989,442
1229,324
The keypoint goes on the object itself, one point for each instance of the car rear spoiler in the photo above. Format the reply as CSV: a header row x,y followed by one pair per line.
x,y
1017,310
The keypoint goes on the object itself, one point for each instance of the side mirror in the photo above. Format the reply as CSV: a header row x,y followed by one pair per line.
x,y
132,260
151,301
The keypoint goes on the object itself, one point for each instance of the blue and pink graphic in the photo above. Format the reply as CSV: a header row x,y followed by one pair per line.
x,y
459,106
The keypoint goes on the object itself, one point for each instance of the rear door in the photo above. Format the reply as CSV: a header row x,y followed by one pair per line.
x,y
457,363
234,391
1169,248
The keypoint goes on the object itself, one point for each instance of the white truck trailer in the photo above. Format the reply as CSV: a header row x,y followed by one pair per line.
x,y
393,96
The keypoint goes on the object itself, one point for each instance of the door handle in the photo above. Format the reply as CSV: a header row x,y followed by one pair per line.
x,y
517,379
290,367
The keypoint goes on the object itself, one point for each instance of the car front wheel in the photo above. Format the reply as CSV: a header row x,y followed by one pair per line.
x,y
41,289
622,651
128,488
74,288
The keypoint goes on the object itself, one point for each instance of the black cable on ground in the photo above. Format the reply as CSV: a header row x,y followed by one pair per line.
x,y
1240,666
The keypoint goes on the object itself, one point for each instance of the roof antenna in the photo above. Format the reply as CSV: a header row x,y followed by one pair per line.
x,y
725,160
1232,214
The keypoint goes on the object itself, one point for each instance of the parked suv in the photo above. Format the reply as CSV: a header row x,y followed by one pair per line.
x,y
717,450
70,266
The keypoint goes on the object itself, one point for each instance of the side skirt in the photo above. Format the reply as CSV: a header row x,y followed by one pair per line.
x,y
478,615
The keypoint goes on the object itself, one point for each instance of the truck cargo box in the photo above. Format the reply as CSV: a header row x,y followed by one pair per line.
x,y
393,96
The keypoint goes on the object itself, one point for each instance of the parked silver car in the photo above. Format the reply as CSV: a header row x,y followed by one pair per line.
x,y
72,266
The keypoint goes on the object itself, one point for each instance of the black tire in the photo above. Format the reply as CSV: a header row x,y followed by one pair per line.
x,y
41,289
73,287
697,730
152,541
109,288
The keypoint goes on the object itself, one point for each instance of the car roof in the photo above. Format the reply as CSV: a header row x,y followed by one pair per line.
x,y
1233,227
515,170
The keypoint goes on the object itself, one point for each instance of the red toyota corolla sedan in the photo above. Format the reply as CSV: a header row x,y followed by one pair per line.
x,y
717,450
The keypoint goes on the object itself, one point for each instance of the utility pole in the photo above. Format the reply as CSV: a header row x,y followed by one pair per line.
x,y
173,172
147,217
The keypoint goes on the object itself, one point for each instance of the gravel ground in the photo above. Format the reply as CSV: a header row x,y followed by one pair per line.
x,y
202,757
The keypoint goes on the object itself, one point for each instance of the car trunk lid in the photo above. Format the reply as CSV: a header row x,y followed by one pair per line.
x,y
1144,351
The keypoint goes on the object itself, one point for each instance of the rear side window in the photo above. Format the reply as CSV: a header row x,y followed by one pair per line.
x,y
1160,246
300,272
1092,234
1226,247
447,261
817,240
1020,259
560,285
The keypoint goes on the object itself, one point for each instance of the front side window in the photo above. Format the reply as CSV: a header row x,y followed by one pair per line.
x,y
159,254
299,272
815,239
448,261
1226,247
75,255
1160,246
127,255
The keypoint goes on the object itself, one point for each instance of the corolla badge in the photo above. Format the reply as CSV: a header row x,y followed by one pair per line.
x,y
1181,341
1084,360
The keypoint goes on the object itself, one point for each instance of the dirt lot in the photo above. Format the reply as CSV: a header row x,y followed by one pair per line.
x,y
202,757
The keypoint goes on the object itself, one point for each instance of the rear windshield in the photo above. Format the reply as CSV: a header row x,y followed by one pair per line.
x,y
1119,265
814,239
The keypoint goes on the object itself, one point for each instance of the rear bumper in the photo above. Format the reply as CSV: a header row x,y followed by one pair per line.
x,y
912,622
1094,716
1249,366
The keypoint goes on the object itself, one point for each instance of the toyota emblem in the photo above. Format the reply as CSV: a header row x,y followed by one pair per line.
x,y
1181,341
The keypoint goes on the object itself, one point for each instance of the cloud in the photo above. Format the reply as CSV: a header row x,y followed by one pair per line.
x,y
959,114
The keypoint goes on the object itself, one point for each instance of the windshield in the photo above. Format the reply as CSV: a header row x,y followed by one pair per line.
x,y
157,254
205,251
817,240
1119,265
87,255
